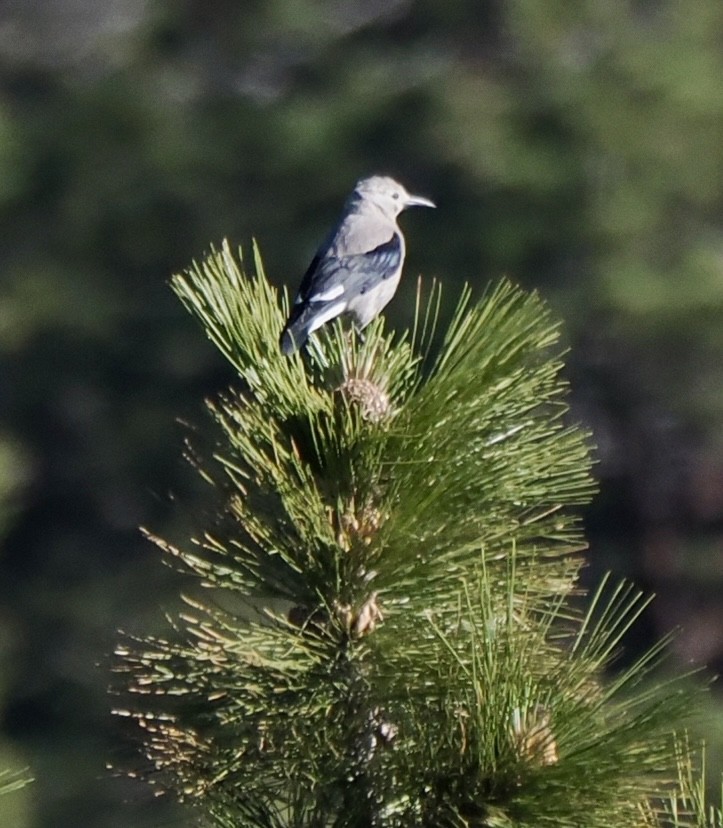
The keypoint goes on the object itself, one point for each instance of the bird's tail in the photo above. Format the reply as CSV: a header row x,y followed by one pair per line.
x,y
295,333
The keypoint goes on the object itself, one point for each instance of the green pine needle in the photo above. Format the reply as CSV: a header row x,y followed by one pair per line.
x,y
11,781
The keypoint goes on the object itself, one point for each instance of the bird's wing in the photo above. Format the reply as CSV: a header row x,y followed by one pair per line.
x,y
307,282
329,278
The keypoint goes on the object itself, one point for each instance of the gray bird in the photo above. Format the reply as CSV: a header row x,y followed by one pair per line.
x,y
357,268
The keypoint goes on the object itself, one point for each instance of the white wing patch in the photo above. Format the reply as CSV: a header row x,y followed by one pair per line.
x,y
328,313
327,295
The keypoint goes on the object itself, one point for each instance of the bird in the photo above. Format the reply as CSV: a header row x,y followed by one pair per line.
x,y
357,268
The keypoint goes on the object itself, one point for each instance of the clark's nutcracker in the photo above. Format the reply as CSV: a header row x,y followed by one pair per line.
x,y
356,270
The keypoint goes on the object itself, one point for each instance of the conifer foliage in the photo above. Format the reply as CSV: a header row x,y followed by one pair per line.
x,y
383,633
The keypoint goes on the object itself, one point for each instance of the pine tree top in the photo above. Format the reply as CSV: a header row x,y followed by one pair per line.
x,y
385,634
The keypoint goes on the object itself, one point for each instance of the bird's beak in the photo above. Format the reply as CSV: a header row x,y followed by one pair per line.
x,y
418,201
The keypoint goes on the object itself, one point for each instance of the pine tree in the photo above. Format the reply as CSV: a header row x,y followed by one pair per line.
x,y
385,631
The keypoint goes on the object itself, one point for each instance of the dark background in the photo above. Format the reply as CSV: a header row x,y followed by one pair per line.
x,y
577,148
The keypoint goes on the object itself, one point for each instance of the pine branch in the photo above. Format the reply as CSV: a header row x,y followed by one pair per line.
x,y
686,805
395,542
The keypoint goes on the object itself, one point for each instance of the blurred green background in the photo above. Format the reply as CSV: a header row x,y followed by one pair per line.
x,y
576,147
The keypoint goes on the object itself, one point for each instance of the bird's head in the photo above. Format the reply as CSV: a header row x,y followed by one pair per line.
x,y
387,195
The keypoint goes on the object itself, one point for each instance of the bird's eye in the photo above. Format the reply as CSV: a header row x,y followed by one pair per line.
x,y
395,196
